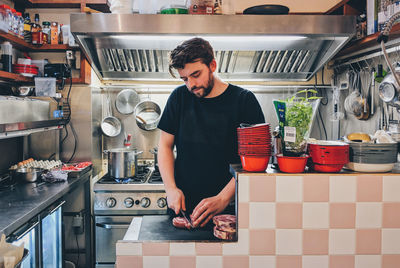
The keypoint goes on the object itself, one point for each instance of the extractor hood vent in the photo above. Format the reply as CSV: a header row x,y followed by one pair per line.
x,y
247,47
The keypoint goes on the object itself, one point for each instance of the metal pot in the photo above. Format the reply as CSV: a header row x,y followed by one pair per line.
x,y
147,114
22,90
122,162
28,174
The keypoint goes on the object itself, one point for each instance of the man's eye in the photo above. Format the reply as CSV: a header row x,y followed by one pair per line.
x,y
184,79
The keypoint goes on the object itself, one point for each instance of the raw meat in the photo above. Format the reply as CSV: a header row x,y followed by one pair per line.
x,y
221,234
225,220
179,222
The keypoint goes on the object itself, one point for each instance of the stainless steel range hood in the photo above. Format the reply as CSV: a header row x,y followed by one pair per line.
x,y
247,47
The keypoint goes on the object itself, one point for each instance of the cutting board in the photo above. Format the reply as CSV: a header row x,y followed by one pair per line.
x,y
160,228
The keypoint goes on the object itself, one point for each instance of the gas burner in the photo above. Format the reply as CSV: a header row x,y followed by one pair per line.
x,y
155,176
142,173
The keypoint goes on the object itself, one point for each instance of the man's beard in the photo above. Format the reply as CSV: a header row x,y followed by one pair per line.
x,y
206,90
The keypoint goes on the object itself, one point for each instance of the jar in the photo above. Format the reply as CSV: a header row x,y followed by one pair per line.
x,y
20,25
201,6
46,32
4,9
15,21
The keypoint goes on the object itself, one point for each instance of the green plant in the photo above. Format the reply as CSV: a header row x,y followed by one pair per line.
x,y
299,113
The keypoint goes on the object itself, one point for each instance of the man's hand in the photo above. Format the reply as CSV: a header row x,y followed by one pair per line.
x,y
208,208
176,200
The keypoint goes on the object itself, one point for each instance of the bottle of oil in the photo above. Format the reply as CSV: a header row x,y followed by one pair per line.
x,y
27,28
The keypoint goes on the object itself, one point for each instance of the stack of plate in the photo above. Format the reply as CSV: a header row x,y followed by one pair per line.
x,y
25,69
254,146
372,157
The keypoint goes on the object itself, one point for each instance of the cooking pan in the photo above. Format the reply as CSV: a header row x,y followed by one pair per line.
x,y
126,101
110,125
147,115
267,10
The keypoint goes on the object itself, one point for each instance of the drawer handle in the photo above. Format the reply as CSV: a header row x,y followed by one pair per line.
x,y
112,226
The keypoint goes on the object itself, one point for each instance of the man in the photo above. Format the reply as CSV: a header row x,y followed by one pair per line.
x,y
200,119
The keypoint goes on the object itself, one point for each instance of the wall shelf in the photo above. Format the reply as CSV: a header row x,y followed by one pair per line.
x,y
100,5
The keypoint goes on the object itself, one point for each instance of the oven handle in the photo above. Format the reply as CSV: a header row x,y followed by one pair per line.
x,y
112,225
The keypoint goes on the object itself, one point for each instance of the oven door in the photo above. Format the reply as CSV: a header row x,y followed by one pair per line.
x,y
109,229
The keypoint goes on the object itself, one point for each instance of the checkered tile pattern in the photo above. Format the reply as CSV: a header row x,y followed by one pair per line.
x,y
309,221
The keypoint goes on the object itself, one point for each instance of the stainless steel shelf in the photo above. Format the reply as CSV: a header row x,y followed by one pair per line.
x,y
12,130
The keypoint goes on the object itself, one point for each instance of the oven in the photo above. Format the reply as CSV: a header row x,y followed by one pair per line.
x,y
118,201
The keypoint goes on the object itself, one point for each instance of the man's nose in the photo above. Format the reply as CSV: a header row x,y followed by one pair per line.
x,y
192,82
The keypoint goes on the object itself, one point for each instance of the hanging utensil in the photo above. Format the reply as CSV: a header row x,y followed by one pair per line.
x,y
147,115
126,101
110,125
372,91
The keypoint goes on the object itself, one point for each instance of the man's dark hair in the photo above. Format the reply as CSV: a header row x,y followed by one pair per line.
x,y
190,51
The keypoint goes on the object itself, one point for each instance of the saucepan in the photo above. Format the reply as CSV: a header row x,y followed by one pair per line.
x,y
110,125
147,114
27,174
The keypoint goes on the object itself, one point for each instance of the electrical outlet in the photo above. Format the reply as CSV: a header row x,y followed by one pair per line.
x,y
77,224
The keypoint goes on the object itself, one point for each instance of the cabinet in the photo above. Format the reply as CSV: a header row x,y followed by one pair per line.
x,y
347,7
42,236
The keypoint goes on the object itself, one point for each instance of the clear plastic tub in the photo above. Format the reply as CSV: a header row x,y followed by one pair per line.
x,y
45,86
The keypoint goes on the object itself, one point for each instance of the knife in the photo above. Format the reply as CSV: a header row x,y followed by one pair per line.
x,y
187,218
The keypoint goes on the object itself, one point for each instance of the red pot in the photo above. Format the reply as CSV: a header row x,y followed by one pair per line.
x,y
329,152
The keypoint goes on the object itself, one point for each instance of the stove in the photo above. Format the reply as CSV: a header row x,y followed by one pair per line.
x,y
142,194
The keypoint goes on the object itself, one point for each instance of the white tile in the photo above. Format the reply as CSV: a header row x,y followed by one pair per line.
x,y
368,215
315,261
262,262
243,188
155,261
182,249
288,242
262,215
289,189
368,261
390,241
129,249
342,241
391,188
342,188
208,262
239,248
315,215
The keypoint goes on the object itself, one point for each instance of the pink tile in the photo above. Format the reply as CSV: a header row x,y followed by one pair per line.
x,y
236,262
342,215
182,261
289,215
341,261
288,262
262,189
262,242
369,188
315,242
391,261
368,241
391,215
211,249
155,249
129,262
316,188
243,217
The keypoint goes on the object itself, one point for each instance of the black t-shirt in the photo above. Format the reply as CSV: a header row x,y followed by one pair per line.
x,y
206,137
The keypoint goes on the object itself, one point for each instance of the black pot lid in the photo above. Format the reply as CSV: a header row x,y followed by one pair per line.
x,y
267,10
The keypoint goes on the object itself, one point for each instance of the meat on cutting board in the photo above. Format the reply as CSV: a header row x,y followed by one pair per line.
x,y
180,222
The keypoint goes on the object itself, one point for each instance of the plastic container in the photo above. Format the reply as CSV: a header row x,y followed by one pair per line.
x,y
174,9
4,18
45,86
15,22
65,31
20,25
253,163
291,164
201,7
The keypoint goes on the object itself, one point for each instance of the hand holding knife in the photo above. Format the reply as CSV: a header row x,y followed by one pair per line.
x,y
187,218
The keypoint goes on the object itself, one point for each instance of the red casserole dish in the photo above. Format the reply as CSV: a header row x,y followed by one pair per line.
x,y
329,152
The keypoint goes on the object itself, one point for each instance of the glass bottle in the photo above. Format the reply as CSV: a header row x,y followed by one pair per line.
x,y
46,32
15,21
36,25
20,25
27,28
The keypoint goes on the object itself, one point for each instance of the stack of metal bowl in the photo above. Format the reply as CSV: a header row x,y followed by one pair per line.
x,y
372,157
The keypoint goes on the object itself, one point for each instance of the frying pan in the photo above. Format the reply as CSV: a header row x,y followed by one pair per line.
x,y
110,125
126,101
267,10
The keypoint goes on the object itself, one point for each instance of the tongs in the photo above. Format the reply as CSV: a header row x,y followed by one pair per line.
x,y
187,218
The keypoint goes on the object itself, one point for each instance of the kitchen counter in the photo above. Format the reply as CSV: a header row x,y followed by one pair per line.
x,y
24,201
160,228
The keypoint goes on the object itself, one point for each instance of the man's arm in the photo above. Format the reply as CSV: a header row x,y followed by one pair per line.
x,y
209,207
175,197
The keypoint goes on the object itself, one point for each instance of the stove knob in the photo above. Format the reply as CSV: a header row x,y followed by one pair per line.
x,y
145,202
111,202
161,202
128,202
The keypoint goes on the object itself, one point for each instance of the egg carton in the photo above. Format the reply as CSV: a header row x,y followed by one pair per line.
x,y
44,164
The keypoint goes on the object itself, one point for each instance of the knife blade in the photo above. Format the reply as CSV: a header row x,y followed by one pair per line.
x,y
187,218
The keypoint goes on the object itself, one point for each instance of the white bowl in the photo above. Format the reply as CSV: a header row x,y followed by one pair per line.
x,y
361,167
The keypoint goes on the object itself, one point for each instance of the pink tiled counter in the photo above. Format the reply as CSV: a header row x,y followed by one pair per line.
x,y
295,221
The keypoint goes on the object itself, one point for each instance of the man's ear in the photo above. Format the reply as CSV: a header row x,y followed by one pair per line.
x,y
213,65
